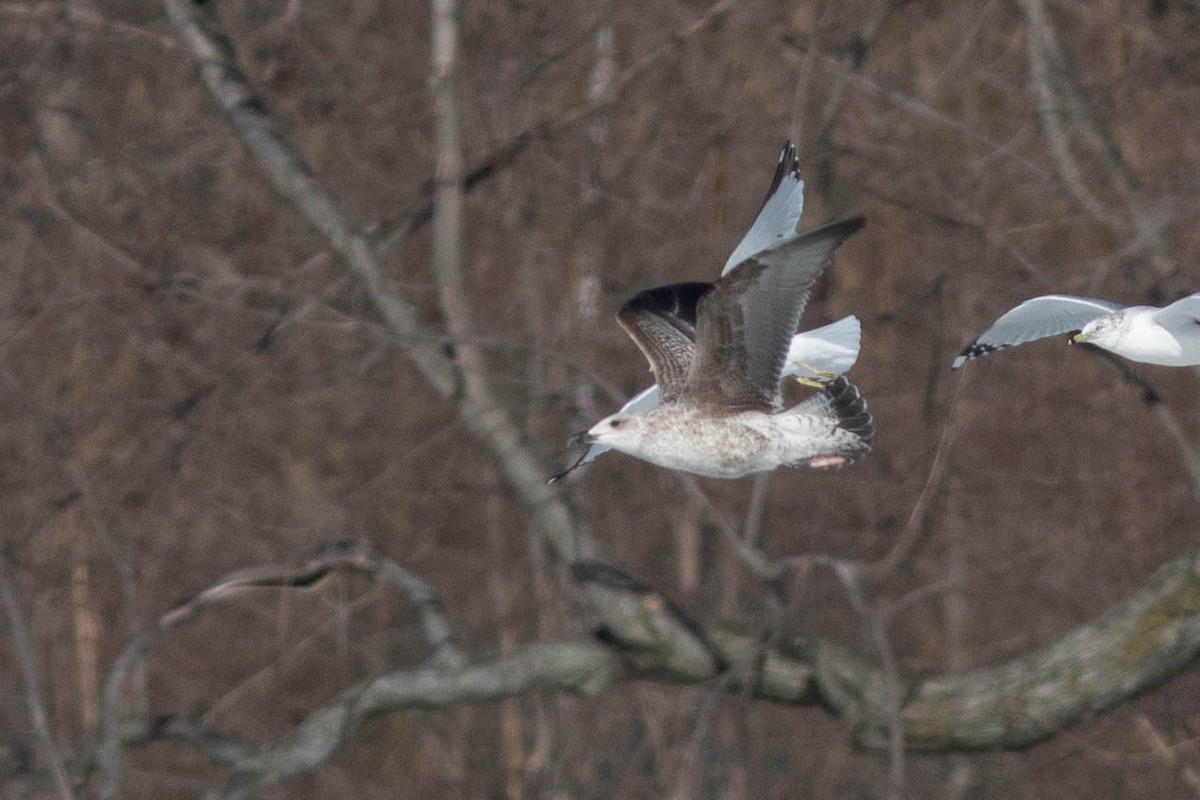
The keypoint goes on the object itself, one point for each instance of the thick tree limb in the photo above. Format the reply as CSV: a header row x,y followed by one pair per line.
x,y
643,635
1098,665
577,668
1135,644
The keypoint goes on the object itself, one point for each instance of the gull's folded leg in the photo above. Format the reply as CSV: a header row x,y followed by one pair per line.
x,y
824,376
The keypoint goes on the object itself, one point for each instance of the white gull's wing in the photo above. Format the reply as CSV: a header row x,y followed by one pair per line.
x,y
832,348
1049,315
780,212
1181,318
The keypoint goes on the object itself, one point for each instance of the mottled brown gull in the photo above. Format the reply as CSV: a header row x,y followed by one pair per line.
x,y
718,352
813,355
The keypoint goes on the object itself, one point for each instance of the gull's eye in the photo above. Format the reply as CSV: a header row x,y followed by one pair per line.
x,y
616,423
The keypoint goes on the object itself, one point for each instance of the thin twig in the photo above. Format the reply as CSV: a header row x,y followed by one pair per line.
x,y
1188,451
749,555
752,525
291,177
1038,39
851,579
902,547
1053,88
29,673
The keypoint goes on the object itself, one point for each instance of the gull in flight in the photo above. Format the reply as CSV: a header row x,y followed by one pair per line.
x,y
718,352
813,356
1167,336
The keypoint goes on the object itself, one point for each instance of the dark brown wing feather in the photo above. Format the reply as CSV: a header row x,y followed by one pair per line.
x,y
746,323
662,322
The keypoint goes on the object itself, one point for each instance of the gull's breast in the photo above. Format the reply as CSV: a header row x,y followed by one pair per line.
x,y
718,447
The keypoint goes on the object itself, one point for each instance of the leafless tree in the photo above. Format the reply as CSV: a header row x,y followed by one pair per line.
x,y
320,407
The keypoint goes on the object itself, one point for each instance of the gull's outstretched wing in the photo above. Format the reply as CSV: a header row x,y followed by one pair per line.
x,y
1038,318
1181,318
780,212
746,322
662,322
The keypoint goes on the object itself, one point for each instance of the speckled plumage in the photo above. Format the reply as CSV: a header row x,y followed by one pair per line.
x,y
718,353
813,355
831,429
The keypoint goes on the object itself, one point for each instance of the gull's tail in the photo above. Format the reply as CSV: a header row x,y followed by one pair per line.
x,y
851,409
854,427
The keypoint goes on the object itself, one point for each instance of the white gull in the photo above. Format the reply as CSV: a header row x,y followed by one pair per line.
x,y
1166,336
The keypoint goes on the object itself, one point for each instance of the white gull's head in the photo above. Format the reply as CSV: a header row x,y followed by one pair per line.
x,y
1105,331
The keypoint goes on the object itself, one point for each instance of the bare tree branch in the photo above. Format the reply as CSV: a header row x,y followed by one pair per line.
x,y
1040,44
1133,645
550,127
578,668
643,635
1136,643
1057,97
448,199
306,572
293,180
291,177
919,110
29,673
218,748
851,577
1141,640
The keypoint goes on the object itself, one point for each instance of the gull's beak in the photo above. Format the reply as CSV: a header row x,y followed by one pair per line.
x,y
581,438
1074,338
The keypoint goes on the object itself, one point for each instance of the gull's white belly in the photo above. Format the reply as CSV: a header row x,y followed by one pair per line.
x,y
737,445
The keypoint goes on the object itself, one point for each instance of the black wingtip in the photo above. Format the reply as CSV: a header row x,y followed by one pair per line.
x,y
788,161
973,351
789,164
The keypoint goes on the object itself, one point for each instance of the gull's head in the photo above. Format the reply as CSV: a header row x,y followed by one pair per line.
x,y
1103,331
619,431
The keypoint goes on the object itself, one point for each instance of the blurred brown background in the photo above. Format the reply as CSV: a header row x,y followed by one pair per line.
x,y
192,382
